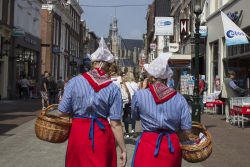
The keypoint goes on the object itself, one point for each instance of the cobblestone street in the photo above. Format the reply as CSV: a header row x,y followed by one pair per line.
x,y
19,147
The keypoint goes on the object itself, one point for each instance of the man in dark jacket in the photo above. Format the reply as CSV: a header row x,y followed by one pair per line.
x,y
52,88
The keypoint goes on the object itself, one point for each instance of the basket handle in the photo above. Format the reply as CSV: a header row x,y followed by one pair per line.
x,y
198,124
53,106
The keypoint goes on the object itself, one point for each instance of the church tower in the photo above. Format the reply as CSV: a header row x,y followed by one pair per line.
x,y
115,37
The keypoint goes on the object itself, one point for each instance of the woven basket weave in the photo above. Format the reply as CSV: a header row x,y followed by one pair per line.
x,y
198,152
50,128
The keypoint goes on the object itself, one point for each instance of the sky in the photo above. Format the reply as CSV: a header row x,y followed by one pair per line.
x,y
131,20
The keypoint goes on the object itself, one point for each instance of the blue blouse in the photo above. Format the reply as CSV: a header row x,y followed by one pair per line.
x,y
172,115
80,99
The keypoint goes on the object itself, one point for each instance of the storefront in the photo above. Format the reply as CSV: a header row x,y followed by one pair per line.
x,y
221,58
25,61
180,64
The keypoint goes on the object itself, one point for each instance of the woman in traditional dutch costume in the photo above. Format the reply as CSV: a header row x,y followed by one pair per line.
x,y
162,112
91,98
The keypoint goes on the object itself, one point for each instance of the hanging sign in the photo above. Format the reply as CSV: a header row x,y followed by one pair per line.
x,y
173,47
164,26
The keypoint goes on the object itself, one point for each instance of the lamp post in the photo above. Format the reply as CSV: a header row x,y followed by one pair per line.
x,y
196,107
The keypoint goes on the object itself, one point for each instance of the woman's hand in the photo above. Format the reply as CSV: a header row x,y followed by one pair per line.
x,y
116,127
123,158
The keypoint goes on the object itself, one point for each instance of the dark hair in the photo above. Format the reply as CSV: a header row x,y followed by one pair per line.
x,y
45,72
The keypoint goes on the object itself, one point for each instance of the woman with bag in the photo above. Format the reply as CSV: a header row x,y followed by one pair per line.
x,y
163,112
129,87
91,98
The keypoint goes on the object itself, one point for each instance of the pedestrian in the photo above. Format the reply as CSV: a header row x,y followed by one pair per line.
x,y
202,89
90,99
230,90
115,77
20,92
162,112
25,87
44,90
52,89
60,88
129,87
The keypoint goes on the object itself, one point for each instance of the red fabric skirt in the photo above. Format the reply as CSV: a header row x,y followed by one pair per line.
x,y
79,151
144,156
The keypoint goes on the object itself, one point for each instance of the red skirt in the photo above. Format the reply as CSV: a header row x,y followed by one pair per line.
x,y
79,151
144,156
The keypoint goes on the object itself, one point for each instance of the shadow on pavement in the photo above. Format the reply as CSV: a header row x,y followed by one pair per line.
x,y
6,127
8,117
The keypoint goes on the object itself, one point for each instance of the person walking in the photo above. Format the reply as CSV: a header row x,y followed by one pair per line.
x,y
60,88
163,112
25,87
52,89
44,90
91,98
230,90
129,87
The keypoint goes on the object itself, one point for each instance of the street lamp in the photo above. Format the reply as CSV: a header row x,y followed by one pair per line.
x,y
196,107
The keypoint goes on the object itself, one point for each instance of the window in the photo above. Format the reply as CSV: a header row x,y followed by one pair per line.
x,y
5,11
1,8
215,56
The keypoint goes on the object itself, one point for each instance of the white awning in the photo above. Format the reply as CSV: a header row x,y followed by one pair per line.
x,y
180,57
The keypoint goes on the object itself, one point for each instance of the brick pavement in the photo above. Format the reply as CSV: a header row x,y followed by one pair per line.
x,y
19,147
230,143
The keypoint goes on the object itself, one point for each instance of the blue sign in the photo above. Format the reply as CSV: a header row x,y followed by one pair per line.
x,y
231,33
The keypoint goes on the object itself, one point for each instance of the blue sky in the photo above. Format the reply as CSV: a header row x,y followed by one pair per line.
x,y
131,20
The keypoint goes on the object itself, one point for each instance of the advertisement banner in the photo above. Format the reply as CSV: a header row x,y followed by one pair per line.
x,y
233,34
164,26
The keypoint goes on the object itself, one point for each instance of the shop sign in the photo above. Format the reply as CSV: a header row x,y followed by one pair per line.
x,y
164,26
183,27
56,49
153,46
30,41
173,47
203,31
18,32
233,34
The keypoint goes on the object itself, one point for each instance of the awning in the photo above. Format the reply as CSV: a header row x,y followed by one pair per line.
x,y
180,57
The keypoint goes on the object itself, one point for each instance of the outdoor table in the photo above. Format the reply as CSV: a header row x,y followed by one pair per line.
x,y
241,111
214,105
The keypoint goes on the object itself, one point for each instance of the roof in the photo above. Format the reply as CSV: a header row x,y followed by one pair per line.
x,y
130,44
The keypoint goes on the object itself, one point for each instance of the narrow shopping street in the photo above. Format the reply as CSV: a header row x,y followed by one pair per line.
x,y
175,65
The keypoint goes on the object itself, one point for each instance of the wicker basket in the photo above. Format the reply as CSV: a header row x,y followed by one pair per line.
x,y
198,152
50,128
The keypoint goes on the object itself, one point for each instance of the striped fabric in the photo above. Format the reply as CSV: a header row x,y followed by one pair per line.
x,y
173,114
80,98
